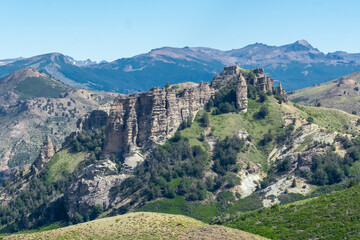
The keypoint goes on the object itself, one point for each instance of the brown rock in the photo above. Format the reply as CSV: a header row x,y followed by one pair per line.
x,y
280,91
241,94
142,120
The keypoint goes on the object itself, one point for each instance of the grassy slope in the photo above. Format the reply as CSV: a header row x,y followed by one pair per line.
x,y
331,119
330,216
64,161
141,226
333,94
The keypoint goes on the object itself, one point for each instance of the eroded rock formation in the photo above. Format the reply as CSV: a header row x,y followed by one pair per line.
x,y
93,188
241,94
142,120
281,91
46,153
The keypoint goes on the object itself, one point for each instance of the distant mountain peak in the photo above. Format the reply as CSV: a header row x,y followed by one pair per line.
x,y
304,43
24,73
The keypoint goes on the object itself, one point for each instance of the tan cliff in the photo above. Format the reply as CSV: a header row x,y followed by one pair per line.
x,y
142,120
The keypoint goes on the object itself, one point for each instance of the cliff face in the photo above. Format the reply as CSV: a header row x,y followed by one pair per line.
x,y
144,119
93,187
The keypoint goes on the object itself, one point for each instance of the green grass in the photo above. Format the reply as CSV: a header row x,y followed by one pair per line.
x,y
332,94
230,123
312,93
40,87
331,119
330,216
64,161
194,132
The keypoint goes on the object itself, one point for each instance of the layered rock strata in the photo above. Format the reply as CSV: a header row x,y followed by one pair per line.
x,y
142,120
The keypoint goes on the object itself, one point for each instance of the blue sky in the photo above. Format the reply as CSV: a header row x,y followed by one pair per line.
x,y
110,29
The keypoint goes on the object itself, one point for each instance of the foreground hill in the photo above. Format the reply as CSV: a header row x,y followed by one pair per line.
x,y
331,216
142,226
296,65
32,106
342,93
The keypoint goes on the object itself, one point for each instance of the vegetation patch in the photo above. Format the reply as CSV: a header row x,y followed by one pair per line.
x,y
330,216
40,87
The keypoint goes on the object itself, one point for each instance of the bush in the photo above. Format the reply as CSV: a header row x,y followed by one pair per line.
x,y
262,97
310,119
204,120
225,197
284,165
268,137
226,107
263,112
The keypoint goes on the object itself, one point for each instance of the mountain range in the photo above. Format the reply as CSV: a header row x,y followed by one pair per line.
x,y
295,65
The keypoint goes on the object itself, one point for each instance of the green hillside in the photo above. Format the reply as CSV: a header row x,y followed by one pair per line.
x,y
330,216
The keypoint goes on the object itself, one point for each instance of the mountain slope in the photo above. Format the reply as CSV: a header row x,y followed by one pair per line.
x,y
296,65
342,93
202,150
33,106
141,226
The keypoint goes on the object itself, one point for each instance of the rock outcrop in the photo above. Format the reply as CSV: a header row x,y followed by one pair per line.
x,y
241,94
281,91
142,120
46,153
230,75
93,187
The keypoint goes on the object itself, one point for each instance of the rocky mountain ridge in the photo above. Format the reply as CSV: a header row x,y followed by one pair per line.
x,y
295,65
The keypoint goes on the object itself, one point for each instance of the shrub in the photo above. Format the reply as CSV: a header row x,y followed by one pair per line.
x,y
263,112
310,119
204,120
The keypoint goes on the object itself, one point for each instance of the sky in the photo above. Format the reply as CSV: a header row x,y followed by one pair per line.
x,y
113,29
